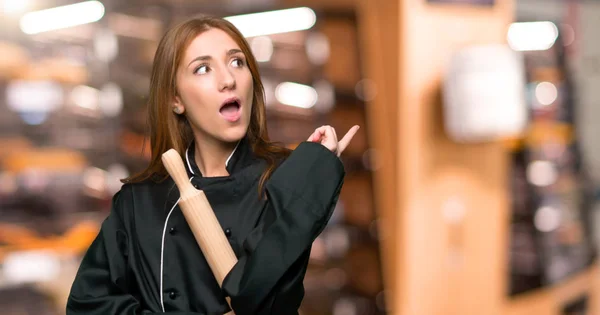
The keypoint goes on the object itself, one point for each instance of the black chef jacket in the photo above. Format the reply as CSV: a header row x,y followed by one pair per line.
x,y
145,259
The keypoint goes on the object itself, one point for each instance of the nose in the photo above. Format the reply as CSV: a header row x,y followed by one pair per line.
x,y
227,80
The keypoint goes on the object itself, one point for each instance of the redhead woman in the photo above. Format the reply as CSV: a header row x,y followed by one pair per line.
x,y
207,102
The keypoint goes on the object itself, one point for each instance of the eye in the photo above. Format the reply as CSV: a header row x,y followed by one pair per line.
x,y
237,62
202,69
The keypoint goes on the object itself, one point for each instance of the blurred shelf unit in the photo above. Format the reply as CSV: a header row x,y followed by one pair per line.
x,y
553,259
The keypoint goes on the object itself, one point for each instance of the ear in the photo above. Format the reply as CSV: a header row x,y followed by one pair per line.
x,y
178,107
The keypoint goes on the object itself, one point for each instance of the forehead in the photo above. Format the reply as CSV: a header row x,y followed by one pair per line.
x,y
214,42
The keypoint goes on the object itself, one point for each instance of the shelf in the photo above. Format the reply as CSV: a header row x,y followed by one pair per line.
x,y
551,300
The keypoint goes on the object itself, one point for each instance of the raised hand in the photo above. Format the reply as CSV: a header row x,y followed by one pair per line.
x,y
326,136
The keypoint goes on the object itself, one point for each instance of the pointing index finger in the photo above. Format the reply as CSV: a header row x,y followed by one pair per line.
x,y
342,144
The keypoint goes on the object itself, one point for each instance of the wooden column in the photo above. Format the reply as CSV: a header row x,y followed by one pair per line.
x,y
379,41
443,206
452,198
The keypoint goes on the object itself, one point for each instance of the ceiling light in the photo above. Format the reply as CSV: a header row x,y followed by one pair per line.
x,y
297,95
530,36
62,17
274,22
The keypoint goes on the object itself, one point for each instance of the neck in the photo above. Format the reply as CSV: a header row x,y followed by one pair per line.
x,y
211,156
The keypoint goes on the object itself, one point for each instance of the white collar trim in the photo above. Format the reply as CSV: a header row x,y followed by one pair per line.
x,y
187,157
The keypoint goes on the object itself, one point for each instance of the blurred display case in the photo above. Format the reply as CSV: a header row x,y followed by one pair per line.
x,y
551,238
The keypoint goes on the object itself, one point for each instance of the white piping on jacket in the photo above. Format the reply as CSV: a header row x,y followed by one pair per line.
x,y
162,251
187,159
232,152
162,245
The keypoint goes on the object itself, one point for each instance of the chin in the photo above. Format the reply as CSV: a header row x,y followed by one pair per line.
x,y
234,134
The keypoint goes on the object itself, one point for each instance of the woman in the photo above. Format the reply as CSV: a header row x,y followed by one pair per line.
x,y
207,101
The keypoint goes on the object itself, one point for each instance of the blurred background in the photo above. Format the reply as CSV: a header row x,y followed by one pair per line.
x,y
472,186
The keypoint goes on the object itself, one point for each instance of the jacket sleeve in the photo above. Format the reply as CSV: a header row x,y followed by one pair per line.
x,y
302,194
100,284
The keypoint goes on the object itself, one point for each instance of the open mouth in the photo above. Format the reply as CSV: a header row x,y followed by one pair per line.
x,y
230,109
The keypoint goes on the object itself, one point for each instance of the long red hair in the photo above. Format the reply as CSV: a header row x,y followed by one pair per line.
x,y
170,131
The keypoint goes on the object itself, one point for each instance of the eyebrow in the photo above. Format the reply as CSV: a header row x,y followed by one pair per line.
x,y
229,53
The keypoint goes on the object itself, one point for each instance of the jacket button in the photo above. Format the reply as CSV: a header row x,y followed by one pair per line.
x,y
172,230
228,232
173,294
196,186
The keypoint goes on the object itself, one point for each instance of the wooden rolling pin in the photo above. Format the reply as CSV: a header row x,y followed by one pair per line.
x,y
202,220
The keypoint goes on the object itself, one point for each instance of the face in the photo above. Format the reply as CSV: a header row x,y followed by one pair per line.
x,y
214,87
